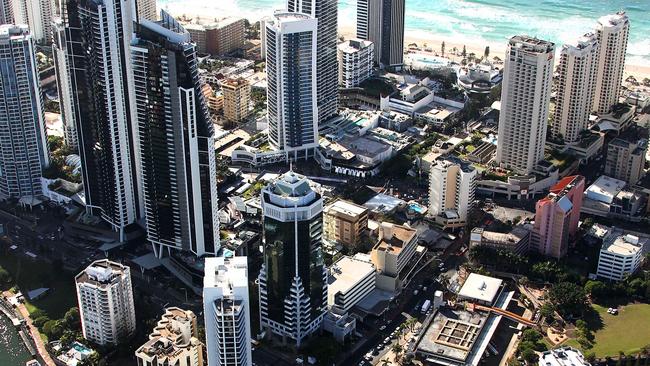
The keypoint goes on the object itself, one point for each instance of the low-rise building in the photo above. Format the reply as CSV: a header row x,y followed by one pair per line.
x,y
350,280
355,58
613,198
481,289
564,356
345,222
174,341
620,255
393,251
516,241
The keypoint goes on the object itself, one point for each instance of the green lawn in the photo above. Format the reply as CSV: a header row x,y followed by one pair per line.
x,y
628,331
31,274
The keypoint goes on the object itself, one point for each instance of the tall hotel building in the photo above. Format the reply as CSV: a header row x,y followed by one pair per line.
x,y
326,12
37,14
612,32
291,76
6,12
382,23
293,278
527,78
175,140
576,83
97,37
106,305
23,144
63,83
227,312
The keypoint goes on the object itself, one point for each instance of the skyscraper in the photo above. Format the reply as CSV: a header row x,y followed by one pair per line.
x,y
23,144
291,76
326,12
227,312
293,285
147,10
64,89
97,35
382,23
612,31
106,305
6,12
527,78
557,216
175,140
37,14
576,83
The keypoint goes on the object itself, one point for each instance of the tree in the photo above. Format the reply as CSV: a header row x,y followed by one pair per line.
x,y
529,356
595,289
4,276
53,329
568,298
40,321
72,319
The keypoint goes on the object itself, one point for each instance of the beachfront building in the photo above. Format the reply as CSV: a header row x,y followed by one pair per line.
x,y
37,15
236,99
63,86
356,59
576,82
626,156
382,23
100,80
557,216
612,31
219,37
105,300
23,143
147,10
452,184
345,223
173,341
326,13
394,249
293,278
527,79
6,12
226,307
174,141
620,255
291,77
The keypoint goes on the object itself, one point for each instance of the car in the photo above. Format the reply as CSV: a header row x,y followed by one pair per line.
x,y
375,351
383,327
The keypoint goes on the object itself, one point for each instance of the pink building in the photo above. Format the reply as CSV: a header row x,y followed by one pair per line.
x,y
557,216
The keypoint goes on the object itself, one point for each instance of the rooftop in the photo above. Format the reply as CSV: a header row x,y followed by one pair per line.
x,y
346,273
565,356
394,238
482,288
613,20
12,31
513,237
354,45
604,189
345,208
102,272
531,44
226,272
619,243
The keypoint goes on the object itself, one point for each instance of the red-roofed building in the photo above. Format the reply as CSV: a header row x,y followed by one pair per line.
x,y
557,216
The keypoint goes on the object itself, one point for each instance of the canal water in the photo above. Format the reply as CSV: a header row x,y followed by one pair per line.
x,y
12,349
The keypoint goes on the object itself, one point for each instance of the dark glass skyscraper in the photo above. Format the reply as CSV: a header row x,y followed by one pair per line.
x,y
293,286
326,11
382,23
175,140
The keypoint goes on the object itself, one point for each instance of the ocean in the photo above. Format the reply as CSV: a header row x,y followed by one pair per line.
x,y
12,349
472,21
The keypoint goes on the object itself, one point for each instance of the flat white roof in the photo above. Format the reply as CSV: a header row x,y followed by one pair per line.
x,y
481,287
619,243
347,273
566,356
226,272
604,189
347,208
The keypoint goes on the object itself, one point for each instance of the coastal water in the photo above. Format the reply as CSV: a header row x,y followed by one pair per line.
x,y
12,349
472,21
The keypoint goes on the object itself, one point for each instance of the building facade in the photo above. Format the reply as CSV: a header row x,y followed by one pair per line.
x,y
612,32
174,341
293,278
38,15
326,13
106,305
64,88
356,58
226,308
345,223
576,83
394,249
220,37
6,12
452,185
350,280
626,157
176,158
557,216
620,255
236,99
23,143
147,10
382,23
291,77
527,78
98,47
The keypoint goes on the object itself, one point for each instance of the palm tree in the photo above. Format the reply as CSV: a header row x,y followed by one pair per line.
x,y
385,362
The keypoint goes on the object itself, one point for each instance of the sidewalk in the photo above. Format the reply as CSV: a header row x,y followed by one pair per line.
x,y
36,336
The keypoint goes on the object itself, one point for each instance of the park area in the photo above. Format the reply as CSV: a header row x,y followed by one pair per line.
x,y
628,331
